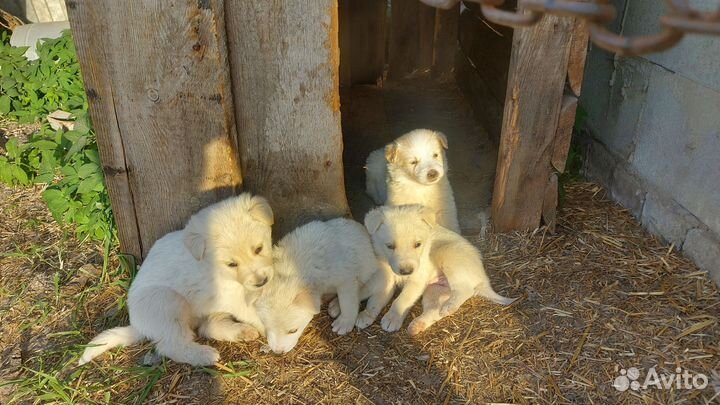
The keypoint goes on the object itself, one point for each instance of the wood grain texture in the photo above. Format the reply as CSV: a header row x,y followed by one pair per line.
x,y
445,42
550,203
411,37
578,55
368,42
482,66
488,48
563,135
538,68
284,64
345,21
159,91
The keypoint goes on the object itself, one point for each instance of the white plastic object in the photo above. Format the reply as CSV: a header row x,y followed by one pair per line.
x,y
29,34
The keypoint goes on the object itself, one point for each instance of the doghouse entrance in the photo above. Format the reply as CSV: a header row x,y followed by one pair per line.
x,y
433,83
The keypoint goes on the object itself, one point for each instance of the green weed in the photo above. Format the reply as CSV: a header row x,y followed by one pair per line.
x,y
67,162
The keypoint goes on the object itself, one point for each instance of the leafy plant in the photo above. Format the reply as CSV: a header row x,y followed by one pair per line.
x,y
67,161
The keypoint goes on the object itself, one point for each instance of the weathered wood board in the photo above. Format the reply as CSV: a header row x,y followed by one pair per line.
x,y
578,54
445,41
411,37
284,58
563,135
538,68
482,65
367,24
158,84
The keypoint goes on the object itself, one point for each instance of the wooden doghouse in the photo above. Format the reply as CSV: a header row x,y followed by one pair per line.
x,y
194,101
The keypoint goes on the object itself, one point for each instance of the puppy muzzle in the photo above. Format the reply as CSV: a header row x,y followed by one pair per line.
x,y
430,176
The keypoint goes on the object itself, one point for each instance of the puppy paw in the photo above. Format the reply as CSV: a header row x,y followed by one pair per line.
x,y
334,308
246,333
392,321
448,308
204,356
416,326
343,326
364,319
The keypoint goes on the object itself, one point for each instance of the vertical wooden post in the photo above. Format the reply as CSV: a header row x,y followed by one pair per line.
x,y
284,59
526,184
445,40
345,21
366,25
159,91
411,37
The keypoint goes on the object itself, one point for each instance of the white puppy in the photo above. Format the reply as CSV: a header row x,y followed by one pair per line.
x,y
423,255
317,259
412,170
199,277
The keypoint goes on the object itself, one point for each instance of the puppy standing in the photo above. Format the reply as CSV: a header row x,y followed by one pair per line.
x,y
412,170
319,258
199,277
423,255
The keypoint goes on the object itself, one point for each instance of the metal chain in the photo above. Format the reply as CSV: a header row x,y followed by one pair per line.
x,y
680,19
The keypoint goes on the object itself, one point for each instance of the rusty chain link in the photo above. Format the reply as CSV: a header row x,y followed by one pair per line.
x,y
679,20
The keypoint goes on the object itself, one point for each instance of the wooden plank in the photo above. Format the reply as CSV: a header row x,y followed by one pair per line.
x,y
159,91
284,65
367,26
563,136
538,68
578,54
86,24
411,37
487,47
445,42
487,109
345,18
426,16
481,68
550,203
57,10
40,9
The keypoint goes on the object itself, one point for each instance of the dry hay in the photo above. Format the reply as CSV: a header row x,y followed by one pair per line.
x,y
597,296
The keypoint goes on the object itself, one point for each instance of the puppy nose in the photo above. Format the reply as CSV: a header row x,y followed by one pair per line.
x,y
432,174
406,269
262,283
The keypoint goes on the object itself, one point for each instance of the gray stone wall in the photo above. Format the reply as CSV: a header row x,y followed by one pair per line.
x,y
654,133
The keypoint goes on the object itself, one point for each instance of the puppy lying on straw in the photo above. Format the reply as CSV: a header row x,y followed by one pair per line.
x,y
425,257
199,278
317,259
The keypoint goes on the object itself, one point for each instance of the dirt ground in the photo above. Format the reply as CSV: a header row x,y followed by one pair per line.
x,y
598,296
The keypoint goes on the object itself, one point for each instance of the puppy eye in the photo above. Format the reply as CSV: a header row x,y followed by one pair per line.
x,y
291,331
391,246
258,249
232,264
414,162
417,245
435,155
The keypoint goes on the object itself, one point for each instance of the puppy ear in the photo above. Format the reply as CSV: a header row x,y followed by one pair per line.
x,y
373,220
428,216
391,152
195,243
442,139
307,299
261,211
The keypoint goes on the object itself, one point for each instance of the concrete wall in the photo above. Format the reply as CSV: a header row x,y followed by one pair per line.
x,y
654,133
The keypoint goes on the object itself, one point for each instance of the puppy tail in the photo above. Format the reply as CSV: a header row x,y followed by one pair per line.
x,y
486,291
120,336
